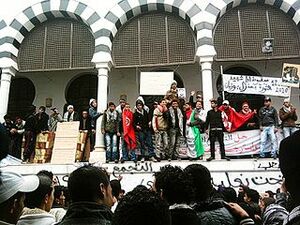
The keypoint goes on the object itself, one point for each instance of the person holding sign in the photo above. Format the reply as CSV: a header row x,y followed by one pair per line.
x,y
288,117
268,120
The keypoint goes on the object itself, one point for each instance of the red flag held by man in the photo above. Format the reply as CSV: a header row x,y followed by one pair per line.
x,y
233,120
129,134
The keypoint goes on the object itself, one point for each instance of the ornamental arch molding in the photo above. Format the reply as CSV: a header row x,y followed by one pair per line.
x,y
42,12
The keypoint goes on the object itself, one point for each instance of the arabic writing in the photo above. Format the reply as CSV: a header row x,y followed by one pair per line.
x,y
255,85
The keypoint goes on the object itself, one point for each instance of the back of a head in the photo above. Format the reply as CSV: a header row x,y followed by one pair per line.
x,y
141,206
36,198
84,184
201,179
228,194
253,194
175,184
289,155
116,188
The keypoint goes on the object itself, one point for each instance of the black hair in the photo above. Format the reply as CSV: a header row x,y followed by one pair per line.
x,y
111,103
228,194
175,184
271,193
201,180
35,199
141,206
42,108
253,194
116,188
46,173
84,183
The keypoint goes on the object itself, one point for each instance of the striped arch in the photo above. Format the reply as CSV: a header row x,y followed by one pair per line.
x,y
217,8
127,9
39,13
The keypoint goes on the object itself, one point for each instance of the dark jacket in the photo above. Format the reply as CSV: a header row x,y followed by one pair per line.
x,y
42,122
31,123
214,212
94,115
88,124
110,125
268,117
141,120
288,118
87,213
214,119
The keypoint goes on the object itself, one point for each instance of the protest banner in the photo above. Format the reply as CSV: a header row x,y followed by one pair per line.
x,y
244,84
290,75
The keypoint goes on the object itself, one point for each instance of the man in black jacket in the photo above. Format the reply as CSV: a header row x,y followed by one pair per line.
x,y
268,121
91,197
86,125
142,124
215,124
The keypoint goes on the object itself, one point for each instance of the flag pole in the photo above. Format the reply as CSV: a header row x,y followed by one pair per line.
x,y
223,93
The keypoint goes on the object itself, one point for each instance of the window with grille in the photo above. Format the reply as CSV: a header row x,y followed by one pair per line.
x,y
154,39
57,44
239,34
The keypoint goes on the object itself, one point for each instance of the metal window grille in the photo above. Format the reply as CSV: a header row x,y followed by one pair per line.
x,y
239,34
55,45
154,39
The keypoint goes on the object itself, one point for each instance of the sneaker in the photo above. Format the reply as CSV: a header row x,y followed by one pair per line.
x,y
274,156
107,161
169,159
135,160
143,160
116,161
210,158
153,159
158,159
122,160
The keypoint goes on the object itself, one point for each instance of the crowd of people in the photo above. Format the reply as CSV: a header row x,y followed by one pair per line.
x,y
178,196
139,132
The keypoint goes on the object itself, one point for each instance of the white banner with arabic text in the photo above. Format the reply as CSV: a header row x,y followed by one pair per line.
x,y
244,84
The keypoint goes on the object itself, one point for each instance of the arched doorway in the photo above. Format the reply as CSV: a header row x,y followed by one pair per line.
x,y
236,100
21,96
80,91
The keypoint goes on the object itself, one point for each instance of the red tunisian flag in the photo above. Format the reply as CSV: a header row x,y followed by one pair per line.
x,y
129,134
233,120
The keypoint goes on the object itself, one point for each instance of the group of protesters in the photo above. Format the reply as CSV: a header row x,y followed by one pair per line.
x,y
177,196
139,132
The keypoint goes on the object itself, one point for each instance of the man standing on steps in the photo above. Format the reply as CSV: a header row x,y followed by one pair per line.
x,y
215,124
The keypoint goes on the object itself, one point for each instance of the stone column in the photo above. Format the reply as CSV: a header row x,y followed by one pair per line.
x,y
207,85
6,76
98,155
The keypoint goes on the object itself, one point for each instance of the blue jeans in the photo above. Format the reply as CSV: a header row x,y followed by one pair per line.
x,y
125,154
287,131
145,143
111,146
265,133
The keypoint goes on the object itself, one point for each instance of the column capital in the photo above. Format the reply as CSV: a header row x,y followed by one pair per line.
x,y
103,65
9,71
206,59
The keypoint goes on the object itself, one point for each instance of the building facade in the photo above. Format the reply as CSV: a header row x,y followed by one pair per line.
x,y
59,52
